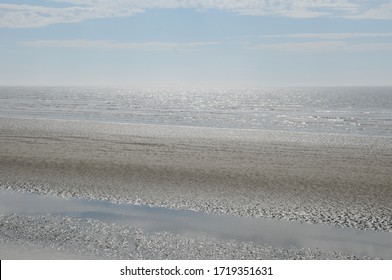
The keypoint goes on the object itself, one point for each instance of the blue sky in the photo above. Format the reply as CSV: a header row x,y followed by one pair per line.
x,y
200,43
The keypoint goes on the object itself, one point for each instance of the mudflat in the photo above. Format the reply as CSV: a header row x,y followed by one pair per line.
x,y
341,180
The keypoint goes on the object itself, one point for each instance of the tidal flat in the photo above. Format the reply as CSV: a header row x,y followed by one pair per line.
x,y
337,181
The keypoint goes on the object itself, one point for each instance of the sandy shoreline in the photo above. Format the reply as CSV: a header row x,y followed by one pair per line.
x,y
339,180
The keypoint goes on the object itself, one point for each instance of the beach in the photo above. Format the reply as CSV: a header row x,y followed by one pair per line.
x,y
337,180
196,130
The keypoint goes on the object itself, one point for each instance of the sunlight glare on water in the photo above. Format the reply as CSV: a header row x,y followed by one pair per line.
x,y
366,111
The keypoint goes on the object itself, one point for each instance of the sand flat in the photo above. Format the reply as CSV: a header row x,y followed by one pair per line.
x,y
221,228
47,237
341,180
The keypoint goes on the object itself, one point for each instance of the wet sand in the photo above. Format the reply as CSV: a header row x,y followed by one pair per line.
x,y
47,237
271,234
339,180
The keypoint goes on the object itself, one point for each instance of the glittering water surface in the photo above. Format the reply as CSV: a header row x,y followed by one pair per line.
x,y
364,110
281,234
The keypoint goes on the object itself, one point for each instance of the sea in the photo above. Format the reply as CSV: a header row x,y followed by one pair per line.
x,y
342,110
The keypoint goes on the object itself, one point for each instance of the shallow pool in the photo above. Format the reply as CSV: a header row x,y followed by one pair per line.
x,y
276,233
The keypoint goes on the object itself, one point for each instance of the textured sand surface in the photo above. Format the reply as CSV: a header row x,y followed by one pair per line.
x,y
340,180
47,237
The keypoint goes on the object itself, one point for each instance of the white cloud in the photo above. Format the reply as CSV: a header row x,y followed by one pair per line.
x,y
380,12
302,46
308,42
320,42
30,16
326,35
290,8
319,46
114,45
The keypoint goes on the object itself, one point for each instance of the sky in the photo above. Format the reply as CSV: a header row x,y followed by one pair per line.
x,y
196,43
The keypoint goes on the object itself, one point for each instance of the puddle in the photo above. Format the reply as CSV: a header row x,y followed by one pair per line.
x,y
276,233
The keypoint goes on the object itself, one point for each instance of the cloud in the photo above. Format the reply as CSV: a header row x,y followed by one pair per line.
x,y
320,42
114,45
326,35
33,16
303,8
379,12
278,42
319,46
30,16
301,46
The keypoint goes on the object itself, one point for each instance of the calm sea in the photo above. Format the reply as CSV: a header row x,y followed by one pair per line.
x,y
366,110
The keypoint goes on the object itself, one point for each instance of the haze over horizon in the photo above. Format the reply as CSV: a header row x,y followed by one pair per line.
x,y
199,43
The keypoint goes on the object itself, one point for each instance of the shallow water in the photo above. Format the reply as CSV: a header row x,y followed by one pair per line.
x,y
276,233
365,111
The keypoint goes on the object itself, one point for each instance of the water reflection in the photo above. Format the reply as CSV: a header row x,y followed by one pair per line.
x,y
276,233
